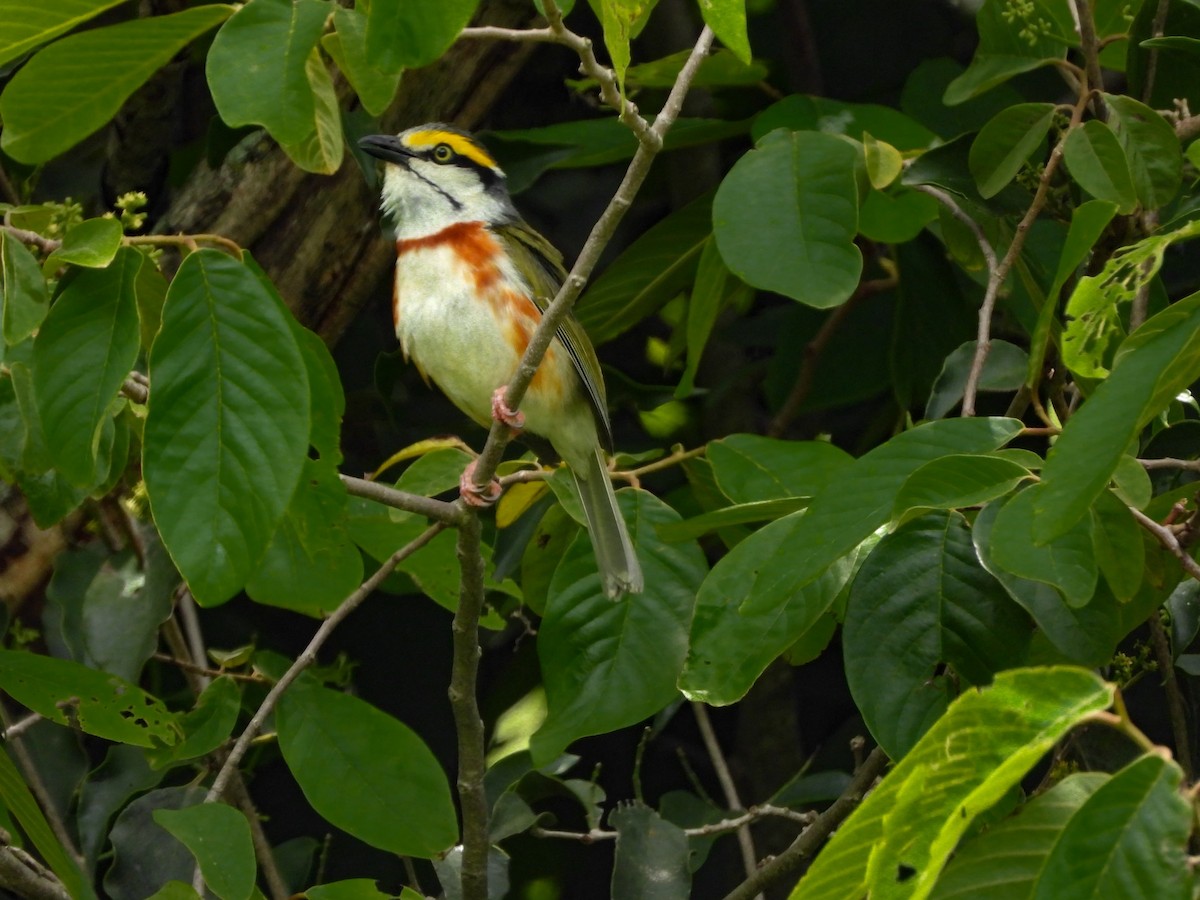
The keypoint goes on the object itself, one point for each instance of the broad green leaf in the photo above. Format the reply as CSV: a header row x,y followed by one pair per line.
x,y
257,66
207,726
1006,143
922,600
1118,545
96,702
228,423
406,35
82,355
1151,148
1068,562
1163,359
219,838
796,189
355,889
622,20
713,281
365,772
651,857
773,602
727,19
145,854
1095,324
1013,40
750,468
609,664
348,48
896,843
1023,842
954,482
322,148
1097,162
1128,839
1087,635
925,87
895,216
1088,221
651,271
730,646
803,113
24,26
738,514
92,243
71,88
19,802
25,297
151,291
1003,370
176,890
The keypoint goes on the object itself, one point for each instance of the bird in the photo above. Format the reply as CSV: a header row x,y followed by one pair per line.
x,y
472,280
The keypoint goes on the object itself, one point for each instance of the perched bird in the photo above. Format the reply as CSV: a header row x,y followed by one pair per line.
x,y
472,281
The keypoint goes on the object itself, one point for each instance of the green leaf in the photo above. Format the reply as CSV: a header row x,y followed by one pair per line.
x,y
365,772
954,482
146,854
1163,358
713,283
651,858
727,19
23,27
1088,221
25,299
96,702
771,600
151,289
257,66
1151,147
609,664
802,113
348,48
1006,143
1097,162
651,271
207,726
896,216
1128,839
796,189
1118,546
1037,35
622,20
81,357
898,840
228,422
92,243
322,148
921,599
17,800
884,162
1068,562
750,468
219,838
355,889
406,35
71,88
721,68
1023,842
1003,370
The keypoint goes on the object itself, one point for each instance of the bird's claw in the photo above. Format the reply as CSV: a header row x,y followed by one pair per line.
x,y
513,418
475,495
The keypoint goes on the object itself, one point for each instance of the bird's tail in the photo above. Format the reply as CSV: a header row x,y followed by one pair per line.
x,y
620,571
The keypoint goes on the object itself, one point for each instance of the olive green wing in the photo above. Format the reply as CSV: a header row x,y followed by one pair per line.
x,y
541,265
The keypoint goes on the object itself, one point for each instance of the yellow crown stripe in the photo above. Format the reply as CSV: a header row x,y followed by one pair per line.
x,y
459,144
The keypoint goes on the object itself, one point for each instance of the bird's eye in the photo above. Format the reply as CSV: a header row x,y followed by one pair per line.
x,y
442,153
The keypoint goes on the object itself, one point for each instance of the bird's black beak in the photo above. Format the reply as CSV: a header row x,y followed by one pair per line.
x,y
386,147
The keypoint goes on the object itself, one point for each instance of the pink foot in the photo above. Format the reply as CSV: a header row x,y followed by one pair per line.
x,y
474,495
514,419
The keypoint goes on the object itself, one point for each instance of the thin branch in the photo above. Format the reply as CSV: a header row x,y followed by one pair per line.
x,y
599,238
438,510
19,727
496,33
1168,462
1175,705
185,605
472,762
679,455
1091,53
204,670
728,788
25,876
1156,31
811,839
25,236
753,814
309,656
1167,538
